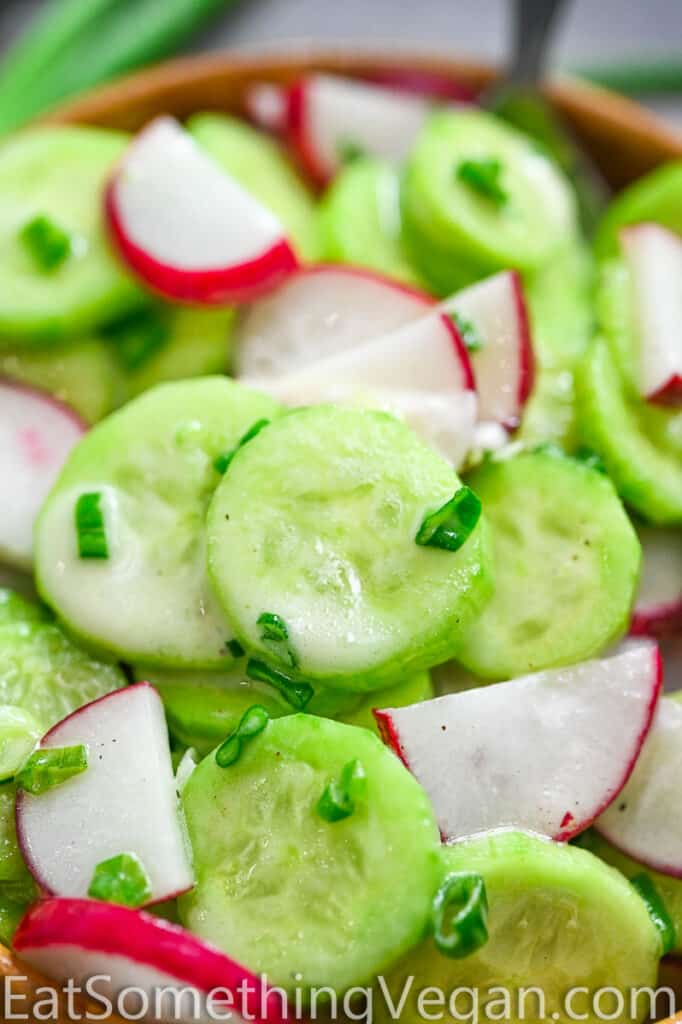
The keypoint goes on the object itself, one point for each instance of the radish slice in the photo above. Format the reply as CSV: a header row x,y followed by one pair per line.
x,y
503,366
546,752
654,256
328,114
267,106
81,939
125,801
321,311
36,435
425,83
187,229
658,609
645,820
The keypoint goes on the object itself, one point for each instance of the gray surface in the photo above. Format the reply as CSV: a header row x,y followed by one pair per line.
x,y
592,31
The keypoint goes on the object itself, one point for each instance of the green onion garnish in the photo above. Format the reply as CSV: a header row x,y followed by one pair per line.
x,y
51,766
483,176
274,627
136,339
339,797
295,692
252,722
222,462
658,912
348,151
452,524
123,880
460,915
90,530
48,244
468,333
590,458
235,648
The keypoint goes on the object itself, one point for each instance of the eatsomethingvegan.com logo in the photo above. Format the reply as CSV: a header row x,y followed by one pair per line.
x,y
381,1003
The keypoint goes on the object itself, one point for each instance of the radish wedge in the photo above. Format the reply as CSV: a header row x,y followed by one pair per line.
x,y
36,435
80,939
322,311
328,115
124,802
266,106
644,822
503,365
654,256
658,608
546,753
186,228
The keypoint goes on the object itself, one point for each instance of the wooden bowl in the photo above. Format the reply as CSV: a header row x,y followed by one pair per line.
x,y
625,140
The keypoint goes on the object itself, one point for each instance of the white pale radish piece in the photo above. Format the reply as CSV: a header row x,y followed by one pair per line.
x,y
322,311
36,435
328,115
184,979
188,229
658,608
654,256
546,752
503,365
644,822
266,105
124,802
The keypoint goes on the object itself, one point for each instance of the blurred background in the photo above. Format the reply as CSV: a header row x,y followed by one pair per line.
x,y
635,43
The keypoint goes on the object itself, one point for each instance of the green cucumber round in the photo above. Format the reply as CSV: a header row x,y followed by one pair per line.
x,y
14,608
59,173
282,890
550,414
12,867
559,296
566,561
560,920
646,471
655,197
412,690
152,463
260,165
315,521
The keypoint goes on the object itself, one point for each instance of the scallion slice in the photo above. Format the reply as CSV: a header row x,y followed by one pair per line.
x,y
340,796
222,461
460,915
274,627
121,879
473,341
47,244
252,722
90,529
294,691
235,648
50,767
658,912
452,524
483,176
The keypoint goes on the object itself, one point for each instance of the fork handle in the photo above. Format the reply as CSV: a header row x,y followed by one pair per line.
x,y
533,22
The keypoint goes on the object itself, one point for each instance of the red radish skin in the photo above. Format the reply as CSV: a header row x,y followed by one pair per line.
x,y
298,137
110,931
658,607
424,83
389,734
665,620
527,361
670,393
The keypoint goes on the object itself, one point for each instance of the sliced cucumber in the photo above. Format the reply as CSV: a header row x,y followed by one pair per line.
x,y
360,220
260,165
411,690
559,297
15,608
82,374
286,892
205,707
316,521
58,173
153,464
648,475
448,219
15,899
12,867
566,565
656,197
550,415
560,921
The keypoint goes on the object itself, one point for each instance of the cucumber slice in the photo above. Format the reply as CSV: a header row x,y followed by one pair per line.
x,y
59,173
647,474
290,894
412,690
14,608
42,671
15,899
204,707
360,221
655,197
559,920
447,219
550,415
82,375
153,464
566,566
316,521
12,867
559,297
261,166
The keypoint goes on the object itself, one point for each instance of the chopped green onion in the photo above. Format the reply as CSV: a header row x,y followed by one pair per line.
x,y
452,524
235,648
222,462
470,336
460,915
139,337
483,176
339,797
50,767
123,880
590,458
274,627
252,722
295,692
658,912
19,733
90,530
348,151
48,244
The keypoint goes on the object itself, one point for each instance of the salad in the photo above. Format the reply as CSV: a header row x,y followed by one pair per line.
x,y
341,510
